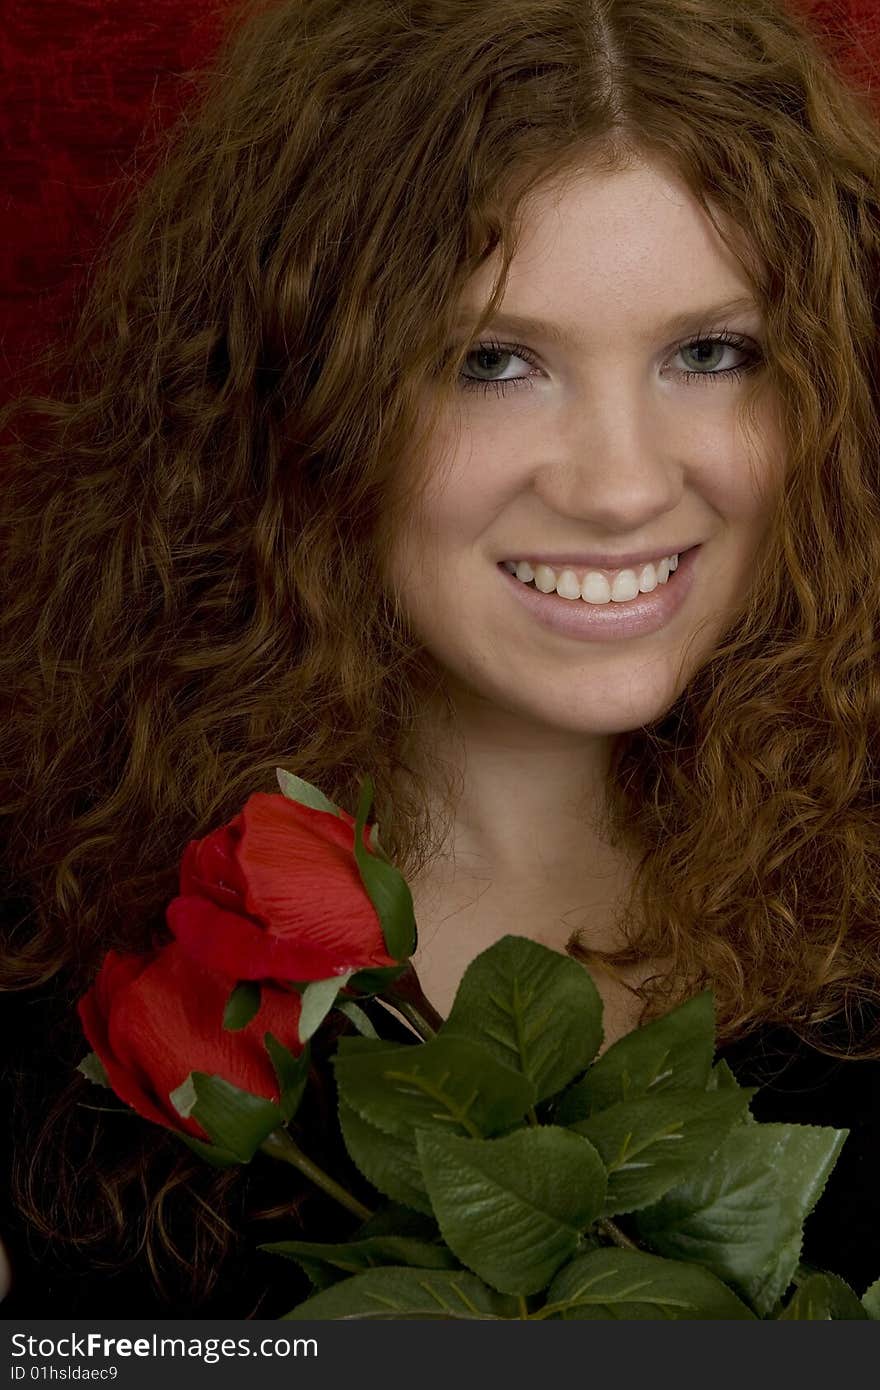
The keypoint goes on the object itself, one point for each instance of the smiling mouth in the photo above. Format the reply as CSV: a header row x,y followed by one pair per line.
x,y
594,587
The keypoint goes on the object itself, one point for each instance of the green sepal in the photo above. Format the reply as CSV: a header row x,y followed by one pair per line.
x,y
387,888
375,979
217,1157
296,789
233,1119
292,1073
93,1069
358,1018
318,999
375,846
242,1005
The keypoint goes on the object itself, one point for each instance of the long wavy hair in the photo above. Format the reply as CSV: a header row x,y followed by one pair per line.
x,y
199,509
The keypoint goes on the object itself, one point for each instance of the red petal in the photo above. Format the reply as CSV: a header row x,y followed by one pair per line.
x,y
164,1019
210,867
241,950
93,1010
303,881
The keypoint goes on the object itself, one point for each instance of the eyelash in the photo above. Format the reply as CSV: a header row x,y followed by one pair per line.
x,y
754,357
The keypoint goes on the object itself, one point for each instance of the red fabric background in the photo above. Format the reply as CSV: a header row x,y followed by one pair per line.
x,y
84,83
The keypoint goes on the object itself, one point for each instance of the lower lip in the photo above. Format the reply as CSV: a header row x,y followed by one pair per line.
x,y
606,622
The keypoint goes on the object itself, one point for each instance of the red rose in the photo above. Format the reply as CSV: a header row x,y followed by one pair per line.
x,y
276,894
152,1019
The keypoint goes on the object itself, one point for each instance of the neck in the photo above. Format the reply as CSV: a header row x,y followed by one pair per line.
x,y
529,796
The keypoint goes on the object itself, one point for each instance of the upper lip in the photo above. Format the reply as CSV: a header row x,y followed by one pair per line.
x,y
578,559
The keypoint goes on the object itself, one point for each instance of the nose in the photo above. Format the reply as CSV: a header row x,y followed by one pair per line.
x,y
612,463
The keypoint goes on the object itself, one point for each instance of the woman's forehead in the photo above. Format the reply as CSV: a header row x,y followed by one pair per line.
x,y
605,243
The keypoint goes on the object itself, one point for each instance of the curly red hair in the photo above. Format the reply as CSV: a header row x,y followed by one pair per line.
x,y
199,509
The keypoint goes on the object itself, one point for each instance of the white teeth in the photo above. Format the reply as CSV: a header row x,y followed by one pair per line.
x,y
567,585
626,584
545,579
595,587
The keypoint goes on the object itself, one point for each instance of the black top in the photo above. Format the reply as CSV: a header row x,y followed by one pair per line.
x,y
799,1084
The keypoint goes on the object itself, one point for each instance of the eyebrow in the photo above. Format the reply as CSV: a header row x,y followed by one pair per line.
x,y
689,320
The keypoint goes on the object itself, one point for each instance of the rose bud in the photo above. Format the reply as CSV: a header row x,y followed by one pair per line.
x,y
152,1019
276,894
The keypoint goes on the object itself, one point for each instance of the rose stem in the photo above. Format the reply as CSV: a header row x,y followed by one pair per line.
x,y
280,1145
615,1234
406,994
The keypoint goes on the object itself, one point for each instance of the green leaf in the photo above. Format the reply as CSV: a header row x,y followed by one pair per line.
x,y
822,1297
448,1083
651,1143
327,1264
408,1293
234,1120
318,999
721,1078
242,1005
512,1209
292,1073
741,1212
398,1220
349,1046
384,1148
387,888
390,1163
871,1300
534,1009
295,789
672,1053
632,1285
93,1069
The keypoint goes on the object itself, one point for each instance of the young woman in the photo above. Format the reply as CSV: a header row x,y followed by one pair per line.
x,y
485,399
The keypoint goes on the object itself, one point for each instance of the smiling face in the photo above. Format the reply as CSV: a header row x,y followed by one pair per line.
x,y
597,443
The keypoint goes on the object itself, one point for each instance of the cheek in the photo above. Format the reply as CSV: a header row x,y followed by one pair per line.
x,y
397,561
765,452
449,522
742,480
412,567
